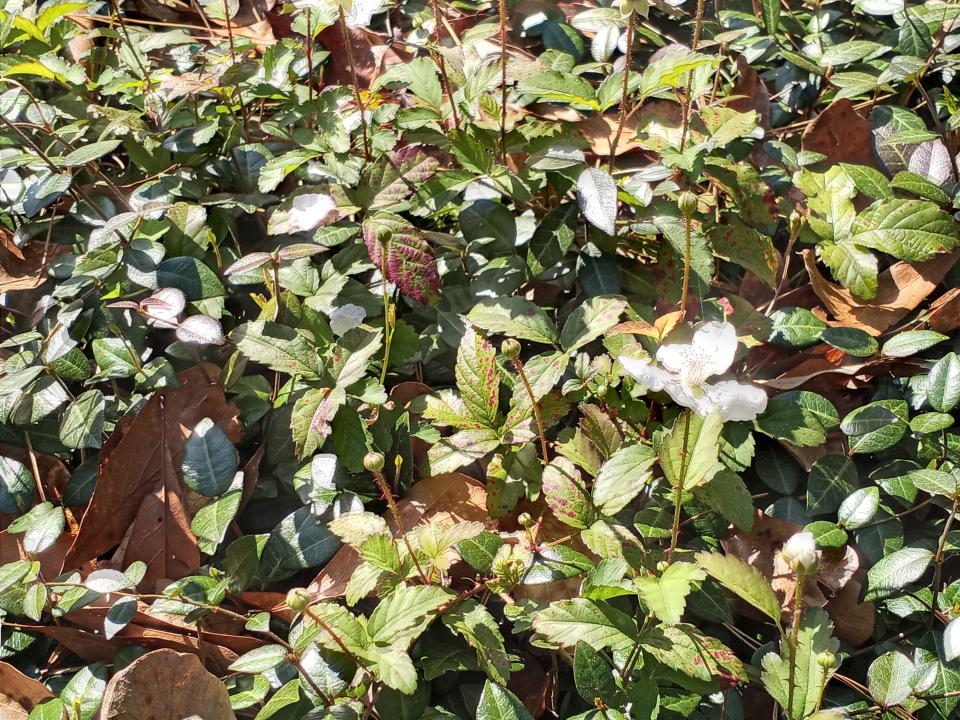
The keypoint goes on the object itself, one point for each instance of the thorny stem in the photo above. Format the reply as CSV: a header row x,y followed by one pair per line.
x,y
938,559
389,317
441,62
503,81
688,98
391,503
678,499
621,121
356,83
794,634
518,366
687,251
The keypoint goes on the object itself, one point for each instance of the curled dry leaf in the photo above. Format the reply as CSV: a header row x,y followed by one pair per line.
x,y
901,289
18,693
760,548
165,685
446,499
138,501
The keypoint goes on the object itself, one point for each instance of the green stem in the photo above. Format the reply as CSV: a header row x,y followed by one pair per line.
x,y
938,559
503,81
678,497
388,328
794,635
518,366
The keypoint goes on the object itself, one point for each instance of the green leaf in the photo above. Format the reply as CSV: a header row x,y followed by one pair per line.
x,y
514,317
394,668
568,622
870,181
859,508
17,486
41,527
564,492
462,448
727,493
935,482
84,692
943,383
298,542
852,341
260,659
795,327
890,678
666,596
911,342
211,522
491,225
278,347
480,551
832,478
82,422
827,534
739,243
876,426
895,571
405,613
700,438
209,460
474,623
815,636
622,477
498,703
771,16
594,677
799,417
89,153
592,319
552,239
932,422
912,230
552,86
478,378
743,580
312,416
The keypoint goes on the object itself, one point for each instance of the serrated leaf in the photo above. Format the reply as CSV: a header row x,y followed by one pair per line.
x,y
405,613
478,378
403,255
897,570
514,317
912,230
743,580
568,622
278,347
700,437
666,596
622,477
498,703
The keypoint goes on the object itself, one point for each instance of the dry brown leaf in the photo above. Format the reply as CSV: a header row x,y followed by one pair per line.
x,y
165,685
600,130
25,268
760,548
842,134
446,499
901,288
944,314
18,693
138,503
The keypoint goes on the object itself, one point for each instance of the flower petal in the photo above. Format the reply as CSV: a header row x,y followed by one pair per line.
x,y
716,344
346,317
737,401
653,378
694,398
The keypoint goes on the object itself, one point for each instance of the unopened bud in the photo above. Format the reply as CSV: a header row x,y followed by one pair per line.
x,y
510,348
525,519
687,202
800,553
827,660
662,566
796,222
298,599
373,461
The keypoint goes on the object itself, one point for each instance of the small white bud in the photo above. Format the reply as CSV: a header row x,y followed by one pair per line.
x,y
800,553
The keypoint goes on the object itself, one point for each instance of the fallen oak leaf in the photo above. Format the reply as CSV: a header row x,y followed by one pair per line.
x,y
165,685
842,134
138,488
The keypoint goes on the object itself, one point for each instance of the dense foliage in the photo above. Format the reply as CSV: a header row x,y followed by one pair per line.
x,y
441,358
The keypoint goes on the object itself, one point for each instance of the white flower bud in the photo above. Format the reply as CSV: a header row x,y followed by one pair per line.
x,y
800,553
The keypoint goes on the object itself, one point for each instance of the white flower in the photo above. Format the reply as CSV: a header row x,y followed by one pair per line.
x,y
345,318
686,367
311,210
951,640
800,553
